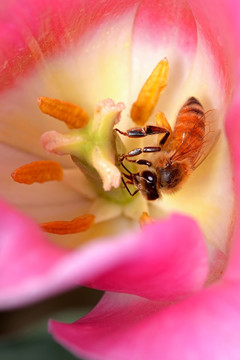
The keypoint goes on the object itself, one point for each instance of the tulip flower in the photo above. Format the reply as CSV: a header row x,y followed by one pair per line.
x,y
169,266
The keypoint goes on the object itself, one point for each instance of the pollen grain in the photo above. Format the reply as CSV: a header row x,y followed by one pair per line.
x,y
38,171
73,115
79,224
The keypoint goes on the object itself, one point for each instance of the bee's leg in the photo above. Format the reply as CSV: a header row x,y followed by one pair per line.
x,y
138,151
133,133
142,162
151,149
130,177
145,131
156,130
164,139
128,190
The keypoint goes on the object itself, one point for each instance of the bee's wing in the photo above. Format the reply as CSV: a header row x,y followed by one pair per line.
x,y
210,140
190,148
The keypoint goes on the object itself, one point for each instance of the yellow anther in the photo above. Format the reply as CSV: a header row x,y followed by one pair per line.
x,y
150,92
73,115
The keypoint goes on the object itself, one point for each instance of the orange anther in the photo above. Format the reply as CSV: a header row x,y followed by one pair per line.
x,y
150,92
79,224
38,171
73,115
145,219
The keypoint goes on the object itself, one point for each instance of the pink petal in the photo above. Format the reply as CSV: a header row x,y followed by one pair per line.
x,y
33,30
67,268
215,26
233,131
169,23
25,259
163,29
121,327
33,268
167,260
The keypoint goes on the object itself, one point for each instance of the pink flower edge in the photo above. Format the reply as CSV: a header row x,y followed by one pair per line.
x,y
33,268
123,327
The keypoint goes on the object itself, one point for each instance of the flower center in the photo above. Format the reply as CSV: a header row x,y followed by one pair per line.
x,y
115,173
93,146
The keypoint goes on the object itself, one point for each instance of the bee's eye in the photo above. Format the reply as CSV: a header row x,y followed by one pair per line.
x,y
149,176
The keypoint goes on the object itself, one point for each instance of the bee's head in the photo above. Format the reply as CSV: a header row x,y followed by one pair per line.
x,y
146,182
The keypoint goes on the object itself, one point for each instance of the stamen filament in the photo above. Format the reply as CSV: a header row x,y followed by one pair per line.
x,y
150,92
38,171
79,224
73,115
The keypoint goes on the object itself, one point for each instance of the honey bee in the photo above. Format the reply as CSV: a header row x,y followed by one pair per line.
x,y
178,154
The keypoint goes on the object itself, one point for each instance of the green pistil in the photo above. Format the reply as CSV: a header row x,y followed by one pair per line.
x,y
94,150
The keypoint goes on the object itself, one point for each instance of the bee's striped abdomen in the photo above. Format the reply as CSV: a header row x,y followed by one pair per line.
x,y
189,129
